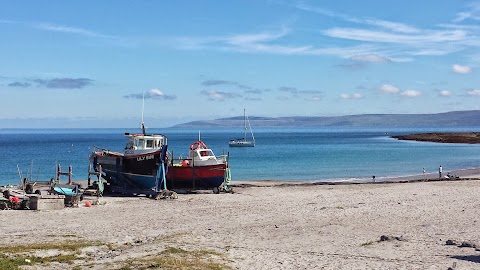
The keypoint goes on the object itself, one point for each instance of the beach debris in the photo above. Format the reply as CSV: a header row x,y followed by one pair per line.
x,y
450,242
166,194
391,238
467,243
88,204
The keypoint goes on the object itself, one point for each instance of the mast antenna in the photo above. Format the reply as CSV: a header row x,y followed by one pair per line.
x,y
143,108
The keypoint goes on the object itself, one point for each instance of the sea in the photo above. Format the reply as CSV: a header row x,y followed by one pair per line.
x,y
294,154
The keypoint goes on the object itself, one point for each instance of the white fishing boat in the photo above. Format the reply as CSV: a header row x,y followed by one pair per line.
x,y
243,142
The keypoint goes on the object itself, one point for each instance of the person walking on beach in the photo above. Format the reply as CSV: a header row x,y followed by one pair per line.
x,y
440,170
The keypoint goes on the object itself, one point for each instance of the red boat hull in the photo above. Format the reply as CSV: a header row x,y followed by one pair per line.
x,y
209,176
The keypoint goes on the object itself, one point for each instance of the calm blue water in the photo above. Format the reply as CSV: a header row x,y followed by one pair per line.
x,y
280,154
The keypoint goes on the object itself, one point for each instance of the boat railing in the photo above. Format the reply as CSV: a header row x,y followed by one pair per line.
x,y
104,151
222,159
178,160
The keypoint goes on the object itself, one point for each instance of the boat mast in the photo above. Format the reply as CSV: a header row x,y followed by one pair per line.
x,y
143,108
245,124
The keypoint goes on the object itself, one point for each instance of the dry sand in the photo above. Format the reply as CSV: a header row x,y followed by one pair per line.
x,y
275,225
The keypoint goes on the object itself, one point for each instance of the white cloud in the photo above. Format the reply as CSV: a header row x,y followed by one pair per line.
x,y
155,93
351,96
388,88
444,93
410,93
370,58
461,69
152,94
474,92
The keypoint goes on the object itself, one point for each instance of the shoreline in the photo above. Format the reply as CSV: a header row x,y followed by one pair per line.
x,y
464,174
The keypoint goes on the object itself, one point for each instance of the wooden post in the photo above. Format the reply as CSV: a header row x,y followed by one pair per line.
x,y
59,169
70,174
89,170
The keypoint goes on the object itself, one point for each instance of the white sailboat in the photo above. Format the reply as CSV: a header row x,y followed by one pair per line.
x,y
243,142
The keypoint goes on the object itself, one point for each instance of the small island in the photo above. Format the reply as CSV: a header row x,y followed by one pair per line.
x,y
447,137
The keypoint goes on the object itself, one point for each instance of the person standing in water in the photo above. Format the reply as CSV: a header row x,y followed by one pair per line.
x,y
440,170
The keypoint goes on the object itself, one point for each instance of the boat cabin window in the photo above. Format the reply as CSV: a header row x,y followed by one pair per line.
x,y
140,143
206,153
150,143
129,145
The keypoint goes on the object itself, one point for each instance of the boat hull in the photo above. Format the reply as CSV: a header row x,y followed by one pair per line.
x,y
241,144
140,172
197,177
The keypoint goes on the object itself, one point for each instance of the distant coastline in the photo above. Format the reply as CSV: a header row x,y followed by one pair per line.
x,y
470,119
452,137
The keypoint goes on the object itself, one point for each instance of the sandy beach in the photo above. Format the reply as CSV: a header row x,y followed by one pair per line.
x,y
262,225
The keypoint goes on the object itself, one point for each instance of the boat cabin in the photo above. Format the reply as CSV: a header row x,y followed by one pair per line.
x,y
142,143
202,157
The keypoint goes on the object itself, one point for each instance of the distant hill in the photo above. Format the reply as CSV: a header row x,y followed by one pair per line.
x,y
448,119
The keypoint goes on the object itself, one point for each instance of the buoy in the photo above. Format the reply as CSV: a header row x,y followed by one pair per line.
x,y
185,163
88,204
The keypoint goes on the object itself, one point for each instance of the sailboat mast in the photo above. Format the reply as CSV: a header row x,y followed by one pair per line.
x,y
245,124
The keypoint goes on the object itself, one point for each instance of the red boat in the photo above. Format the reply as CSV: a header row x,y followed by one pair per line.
x,y
201,170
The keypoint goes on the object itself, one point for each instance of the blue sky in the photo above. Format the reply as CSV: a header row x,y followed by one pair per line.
x,y
88,63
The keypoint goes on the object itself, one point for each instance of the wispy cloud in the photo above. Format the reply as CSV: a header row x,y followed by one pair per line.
x,y
393,26
233,85
215,95
386,37
64,83
20,84
474,92
218,82
296,91
461,69
400,41
314,98
69,30
351,96
473,13
370,58
307,95
152,94
52,27
362,60
289,89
